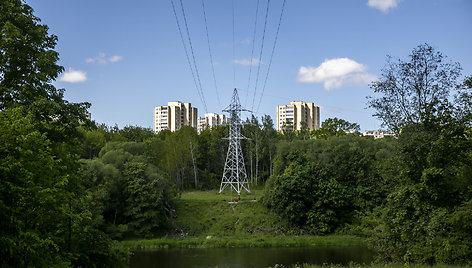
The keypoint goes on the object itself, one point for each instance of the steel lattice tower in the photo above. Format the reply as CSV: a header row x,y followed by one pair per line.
x,y
234,173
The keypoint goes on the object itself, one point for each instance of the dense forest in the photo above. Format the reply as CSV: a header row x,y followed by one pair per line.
x,y
70,188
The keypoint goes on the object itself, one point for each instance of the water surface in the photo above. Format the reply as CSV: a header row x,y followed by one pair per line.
x,y
250,257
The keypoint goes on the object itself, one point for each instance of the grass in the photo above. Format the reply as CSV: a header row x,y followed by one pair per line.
x,y
206,219
209,213
241,241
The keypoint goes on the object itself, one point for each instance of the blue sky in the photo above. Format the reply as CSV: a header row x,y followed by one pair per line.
x,y
125,57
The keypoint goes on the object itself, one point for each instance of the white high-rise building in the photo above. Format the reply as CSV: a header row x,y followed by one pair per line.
x,y
378,134
210,120
175,115
297,114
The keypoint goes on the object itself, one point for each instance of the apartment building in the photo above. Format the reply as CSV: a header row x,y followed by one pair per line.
x,y
296,114
378,134
175,115
210,120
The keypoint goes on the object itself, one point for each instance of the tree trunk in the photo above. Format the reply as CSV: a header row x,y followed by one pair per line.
x,y
257,160
250,161
192,148
69,240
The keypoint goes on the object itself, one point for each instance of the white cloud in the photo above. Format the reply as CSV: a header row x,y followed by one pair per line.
x,y
248,62
102,59
73,76
115,58
383,5
335,73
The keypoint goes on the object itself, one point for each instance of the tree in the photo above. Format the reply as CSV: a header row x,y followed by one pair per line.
x,y
323,183
145,198
28,65
28,62
252,131
464,101
28,214
211,156
414,90
269,138
42,196
308,195
335,127
423,219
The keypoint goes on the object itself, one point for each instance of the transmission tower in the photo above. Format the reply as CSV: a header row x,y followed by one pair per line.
x,y
234,173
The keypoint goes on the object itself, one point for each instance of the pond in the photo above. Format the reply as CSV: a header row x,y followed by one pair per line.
x,y
250,257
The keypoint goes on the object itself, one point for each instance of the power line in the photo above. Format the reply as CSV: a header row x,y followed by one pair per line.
x,y
186,52
272,55
193,56
252,50
234,55
260,55
211,57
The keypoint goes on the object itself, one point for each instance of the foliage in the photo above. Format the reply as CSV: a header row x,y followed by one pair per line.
x,y
32,193
131,196
259,148
420,219
27,54
334,127
45,215
319,184
211,156
424,219
413,90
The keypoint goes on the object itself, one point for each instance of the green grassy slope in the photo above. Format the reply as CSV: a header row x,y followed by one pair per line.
x,y
210,213
207,219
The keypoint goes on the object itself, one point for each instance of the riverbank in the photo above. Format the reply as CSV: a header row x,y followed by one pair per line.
x,y
242,241
355,265
207,219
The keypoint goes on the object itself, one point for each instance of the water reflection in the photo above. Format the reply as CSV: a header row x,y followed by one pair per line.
x,y
250,257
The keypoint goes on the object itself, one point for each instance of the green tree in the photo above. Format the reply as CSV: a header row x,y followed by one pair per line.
x,y
28,63
433,161
211,156
269,140
32,192
47,210
128,193
330,181
145,204
412,91
134,133
94,140
335,127
308,196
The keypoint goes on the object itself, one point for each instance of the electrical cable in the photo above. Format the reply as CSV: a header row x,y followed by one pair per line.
x,y
260,55
211,56
271,56
234,55
193,56
186,52
252,50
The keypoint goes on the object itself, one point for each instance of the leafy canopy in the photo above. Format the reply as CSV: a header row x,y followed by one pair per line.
x,y
413,90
